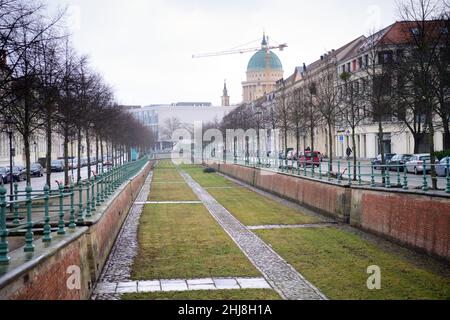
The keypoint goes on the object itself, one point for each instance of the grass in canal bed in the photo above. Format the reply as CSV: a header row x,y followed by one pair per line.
x,y
247,294
248,206
336,262
171,192
185,242
166,175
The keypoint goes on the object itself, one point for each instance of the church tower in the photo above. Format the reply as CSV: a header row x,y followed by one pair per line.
x,y
225,97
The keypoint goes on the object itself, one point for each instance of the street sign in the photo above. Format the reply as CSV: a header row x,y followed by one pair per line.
x,y
341,139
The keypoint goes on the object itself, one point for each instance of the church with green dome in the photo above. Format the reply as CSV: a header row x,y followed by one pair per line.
x,y
263,71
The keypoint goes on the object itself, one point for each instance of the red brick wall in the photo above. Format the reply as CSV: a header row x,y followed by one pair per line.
x,y
415,220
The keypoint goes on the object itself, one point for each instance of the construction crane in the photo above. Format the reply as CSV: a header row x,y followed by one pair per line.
x,y
236,51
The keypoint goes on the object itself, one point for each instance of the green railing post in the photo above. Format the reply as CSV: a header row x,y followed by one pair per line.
x,y
312,167
339,176
349,168
4,251
387,174
405,178
425,182
359,173
399,180
80,202
93,195
320,169
447,190
72,224
102,187
61,224
29,236
16,204
98,178
47,228
88,198
372,176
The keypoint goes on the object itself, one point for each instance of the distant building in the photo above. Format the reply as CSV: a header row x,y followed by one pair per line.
x,y
225,97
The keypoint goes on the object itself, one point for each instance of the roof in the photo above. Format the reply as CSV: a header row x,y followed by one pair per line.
x,y
264,59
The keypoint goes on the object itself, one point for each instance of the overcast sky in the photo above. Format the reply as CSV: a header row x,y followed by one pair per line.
x,y
144,48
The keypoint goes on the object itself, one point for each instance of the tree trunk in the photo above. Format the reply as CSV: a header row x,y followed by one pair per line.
x,y
96,153
79,156
354,153
330,138
432,156
381,148
66,157
48,156
445,124
88,151
101,153
26,143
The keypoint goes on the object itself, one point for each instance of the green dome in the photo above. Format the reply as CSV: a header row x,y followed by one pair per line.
x,y
259,60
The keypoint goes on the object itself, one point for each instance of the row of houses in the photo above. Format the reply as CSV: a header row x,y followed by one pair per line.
x,y
352,59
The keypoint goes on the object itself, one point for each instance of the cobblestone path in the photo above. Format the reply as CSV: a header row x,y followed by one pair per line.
x,y
283,277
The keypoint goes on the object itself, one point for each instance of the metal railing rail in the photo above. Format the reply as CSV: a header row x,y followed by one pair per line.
x,y
54,211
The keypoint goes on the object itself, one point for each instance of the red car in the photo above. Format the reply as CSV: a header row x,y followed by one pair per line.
x,y
310,158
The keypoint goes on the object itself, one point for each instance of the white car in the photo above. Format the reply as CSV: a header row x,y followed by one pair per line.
x,y
415,164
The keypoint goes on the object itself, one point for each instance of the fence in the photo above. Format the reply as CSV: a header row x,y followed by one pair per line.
x,y
45,211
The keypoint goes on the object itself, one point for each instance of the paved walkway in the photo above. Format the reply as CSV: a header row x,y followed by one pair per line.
x,y
120,260
109,288
283,278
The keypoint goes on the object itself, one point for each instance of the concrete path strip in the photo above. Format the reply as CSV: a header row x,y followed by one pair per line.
x,y
282,277
144,286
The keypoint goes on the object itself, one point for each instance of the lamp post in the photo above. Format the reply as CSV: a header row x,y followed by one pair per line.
x,y
35,151
9,130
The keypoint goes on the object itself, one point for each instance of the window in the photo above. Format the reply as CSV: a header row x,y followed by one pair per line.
x,y
348,67
366,60
415,31
354,65
360,63
343,68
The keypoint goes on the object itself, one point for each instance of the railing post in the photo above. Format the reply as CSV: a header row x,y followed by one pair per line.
x,y
4,251
16,204
47,228
88,198
93,195
320,168
29,237
349,168
339,176
98,190
359,173
405,178
447,190
372,176
72,224
399,180
387,173
425,182
312,167
80,202
61,224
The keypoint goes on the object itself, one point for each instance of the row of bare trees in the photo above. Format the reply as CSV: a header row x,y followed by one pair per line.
x,y
47,89
402,81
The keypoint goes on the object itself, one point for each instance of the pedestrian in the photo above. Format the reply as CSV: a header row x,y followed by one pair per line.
x,y
348,152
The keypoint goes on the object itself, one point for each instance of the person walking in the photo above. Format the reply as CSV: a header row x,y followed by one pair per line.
x,y
348,152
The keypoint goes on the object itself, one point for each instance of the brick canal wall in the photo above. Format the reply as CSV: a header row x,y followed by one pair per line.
x,y
67,268
412,218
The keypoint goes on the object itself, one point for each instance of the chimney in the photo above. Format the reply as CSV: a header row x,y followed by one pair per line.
x,y
321,57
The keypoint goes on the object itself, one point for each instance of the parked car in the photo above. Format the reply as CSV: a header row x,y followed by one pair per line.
x,y
415,164
36,170
376,163
310,158
73,163
18,173
441,167
4,176
84,162
57,165
398,161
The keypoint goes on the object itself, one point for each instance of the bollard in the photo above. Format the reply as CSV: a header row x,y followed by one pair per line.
x,y
47,228
29,236
4,250
425,182
80,203
405,178
61,224
16,204
72,224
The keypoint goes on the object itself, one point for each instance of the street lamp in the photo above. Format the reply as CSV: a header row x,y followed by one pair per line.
x,y
9,130
35,151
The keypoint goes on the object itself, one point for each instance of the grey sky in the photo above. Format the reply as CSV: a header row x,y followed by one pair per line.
x,y
144,47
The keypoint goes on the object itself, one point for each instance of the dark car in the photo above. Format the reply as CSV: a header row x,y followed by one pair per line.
x,y
36,170
18,173
377,161
4,176
398,161
57,165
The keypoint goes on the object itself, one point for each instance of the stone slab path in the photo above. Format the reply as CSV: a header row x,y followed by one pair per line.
x,y
169,202
281,276
109,288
